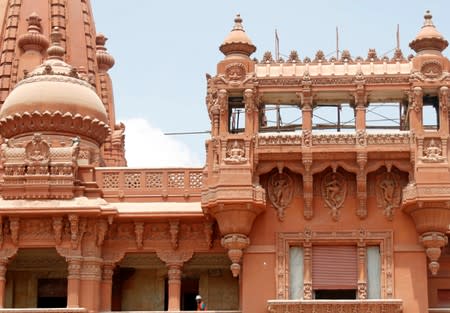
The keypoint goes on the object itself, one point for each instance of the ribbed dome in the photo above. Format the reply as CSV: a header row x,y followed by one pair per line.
x,y
237,41
429,38
54,98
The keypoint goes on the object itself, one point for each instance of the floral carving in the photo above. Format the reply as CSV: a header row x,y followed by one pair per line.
x,y
293,57
280,190
334,191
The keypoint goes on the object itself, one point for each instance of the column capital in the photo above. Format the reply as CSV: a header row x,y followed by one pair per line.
x,y
174,258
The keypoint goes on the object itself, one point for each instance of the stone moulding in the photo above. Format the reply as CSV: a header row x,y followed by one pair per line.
x,y
342,306
394,138
309,238
54,121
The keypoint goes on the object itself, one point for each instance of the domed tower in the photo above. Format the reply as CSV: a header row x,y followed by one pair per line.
x,y
428,118
47,119
234,197
28,24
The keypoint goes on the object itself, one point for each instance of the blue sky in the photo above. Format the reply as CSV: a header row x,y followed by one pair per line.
x,y
164,48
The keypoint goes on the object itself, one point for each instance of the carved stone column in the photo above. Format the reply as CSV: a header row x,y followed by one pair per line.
x,y
73,281
415,113
360,106
106,287
3,268
443,106
91,275
174,261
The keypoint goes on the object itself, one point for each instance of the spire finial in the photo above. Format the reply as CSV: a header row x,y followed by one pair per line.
x,y
55,51
33,38
238,23
237,41
428,19
104,60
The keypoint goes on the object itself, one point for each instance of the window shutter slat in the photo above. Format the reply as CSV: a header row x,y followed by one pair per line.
x,y
334,267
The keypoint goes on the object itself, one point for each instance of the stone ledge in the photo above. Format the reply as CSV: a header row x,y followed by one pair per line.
x,y
45,310
342,306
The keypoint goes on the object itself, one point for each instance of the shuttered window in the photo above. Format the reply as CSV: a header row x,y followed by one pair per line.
x,y
334,267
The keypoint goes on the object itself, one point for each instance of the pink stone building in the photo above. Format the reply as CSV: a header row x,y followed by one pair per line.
x,y
292,212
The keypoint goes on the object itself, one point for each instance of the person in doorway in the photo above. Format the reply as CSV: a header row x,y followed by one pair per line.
x,y
201,306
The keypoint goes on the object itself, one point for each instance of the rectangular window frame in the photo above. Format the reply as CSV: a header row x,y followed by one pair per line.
x,y
308,238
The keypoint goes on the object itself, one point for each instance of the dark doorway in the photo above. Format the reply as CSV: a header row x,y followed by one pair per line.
x,y
189,289
52,293
335,294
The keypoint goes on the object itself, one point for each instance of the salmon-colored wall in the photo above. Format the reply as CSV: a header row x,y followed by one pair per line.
x,y
258,283
410,264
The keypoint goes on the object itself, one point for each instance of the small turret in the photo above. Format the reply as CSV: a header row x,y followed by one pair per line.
x,y
237,43
429,38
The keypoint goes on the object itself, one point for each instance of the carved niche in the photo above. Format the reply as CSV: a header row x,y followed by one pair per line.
x,y
388,192
37,156
280,189
334,191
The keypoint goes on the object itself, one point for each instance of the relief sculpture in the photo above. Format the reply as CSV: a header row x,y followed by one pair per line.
x,y
280,190
388,193
334,190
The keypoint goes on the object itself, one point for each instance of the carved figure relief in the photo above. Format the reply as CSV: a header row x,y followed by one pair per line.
x,y
235,153
432,151
432,69
235,72
334,191
280,189
36,155
388,193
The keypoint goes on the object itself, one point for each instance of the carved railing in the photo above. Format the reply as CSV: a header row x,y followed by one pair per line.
x,y
341,306
129,182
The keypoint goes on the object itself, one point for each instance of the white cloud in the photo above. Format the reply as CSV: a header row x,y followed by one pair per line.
x,y
146,146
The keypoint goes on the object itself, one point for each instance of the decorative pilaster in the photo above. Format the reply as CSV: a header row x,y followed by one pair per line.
x,y
362,270
307,186
307,270
360,103
174,261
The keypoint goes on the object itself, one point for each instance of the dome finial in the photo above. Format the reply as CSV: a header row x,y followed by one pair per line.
x,y
56,51
428,38
428,17
238,23
237,42
104,60
33,38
